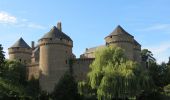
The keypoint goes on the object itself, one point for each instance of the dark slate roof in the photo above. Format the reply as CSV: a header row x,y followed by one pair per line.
x,y
56,33
20,43
119,30
93,49
136,43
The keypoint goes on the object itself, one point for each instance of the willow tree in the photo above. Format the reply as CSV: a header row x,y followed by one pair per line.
x,y
115,77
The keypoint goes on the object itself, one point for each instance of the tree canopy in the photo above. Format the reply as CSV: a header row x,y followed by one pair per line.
x,y
114,76
2,59
66,89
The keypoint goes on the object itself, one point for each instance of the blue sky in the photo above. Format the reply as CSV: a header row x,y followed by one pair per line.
x,y
87,22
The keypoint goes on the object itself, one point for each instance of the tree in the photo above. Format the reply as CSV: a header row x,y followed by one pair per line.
x,y
15,71
114,76
168,62
160,75
66,89
147,57
2,59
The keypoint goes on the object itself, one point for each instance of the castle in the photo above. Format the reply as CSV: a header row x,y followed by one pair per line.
x,y
50,59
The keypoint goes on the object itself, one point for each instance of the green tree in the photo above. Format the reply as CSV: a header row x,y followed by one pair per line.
x,y
15,72
147,57
66,89
160,74
13,81
10,90
168,62
2,59
114,76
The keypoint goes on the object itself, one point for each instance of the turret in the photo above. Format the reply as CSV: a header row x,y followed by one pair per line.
x,y
20,51
119,37
137,51
55,53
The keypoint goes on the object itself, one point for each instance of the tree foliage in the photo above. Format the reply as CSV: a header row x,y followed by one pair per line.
x,y
114,76
168,63
15,71
2,59
66,89
13,83
160,74
147,57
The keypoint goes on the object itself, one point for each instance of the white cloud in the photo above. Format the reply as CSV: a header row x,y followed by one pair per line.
x,y
7,18
160,51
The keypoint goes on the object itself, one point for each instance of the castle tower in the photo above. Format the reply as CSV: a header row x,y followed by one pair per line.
x,y
55,53
137,51
119,37
20,51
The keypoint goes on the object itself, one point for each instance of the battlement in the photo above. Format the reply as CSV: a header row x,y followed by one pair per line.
x,y
55,41
79,60
19,50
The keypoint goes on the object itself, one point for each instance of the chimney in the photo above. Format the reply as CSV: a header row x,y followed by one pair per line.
x,y
32,45
59,26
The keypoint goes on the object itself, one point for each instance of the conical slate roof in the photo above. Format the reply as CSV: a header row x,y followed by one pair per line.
x,y
136,43
20,43
56,33
118,31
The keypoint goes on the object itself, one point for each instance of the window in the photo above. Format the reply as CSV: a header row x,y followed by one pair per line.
x,y
20,60
66,61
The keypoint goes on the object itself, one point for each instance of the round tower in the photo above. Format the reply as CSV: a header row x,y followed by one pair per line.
x,y
55,53
119,37
20,51
137,51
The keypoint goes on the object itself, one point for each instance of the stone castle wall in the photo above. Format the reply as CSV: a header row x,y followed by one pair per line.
x,y
32,71
81,68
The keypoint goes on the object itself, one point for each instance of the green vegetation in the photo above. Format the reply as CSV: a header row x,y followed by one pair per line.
x,y
66,89
2,59
13,84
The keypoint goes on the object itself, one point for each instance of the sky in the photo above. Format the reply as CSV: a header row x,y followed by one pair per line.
x,y
87,22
